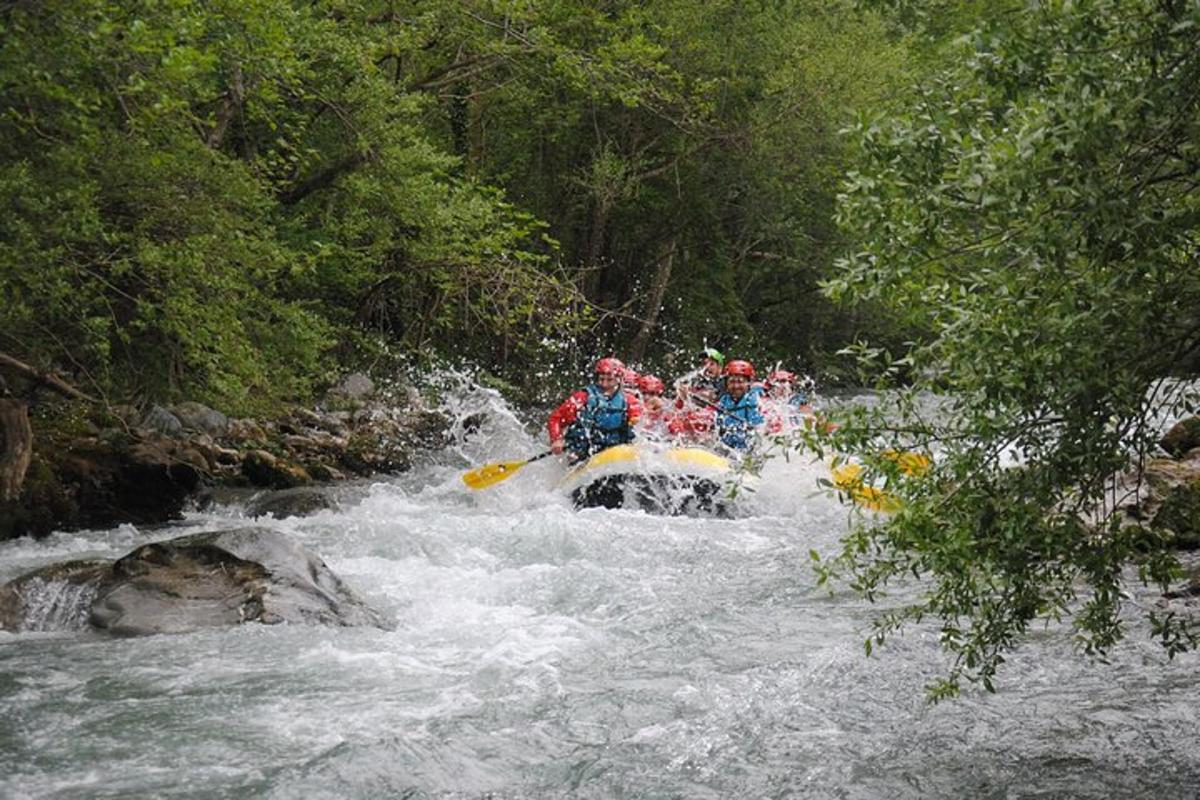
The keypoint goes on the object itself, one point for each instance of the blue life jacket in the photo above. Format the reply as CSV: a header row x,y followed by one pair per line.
x,y
602,423
736,419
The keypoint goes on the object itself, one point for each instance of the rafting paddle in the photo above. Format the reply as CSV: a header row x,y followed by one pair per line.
x,y
491,474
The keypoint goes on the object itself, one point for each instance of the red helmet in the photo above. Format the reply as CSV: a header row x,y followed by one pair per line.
x,y
781,376
651,384
631,377
610,366
739,367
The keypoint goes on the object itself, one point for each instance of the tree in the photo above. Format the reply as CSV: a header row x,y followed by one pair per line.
x,y
685,156
202,201
1035,209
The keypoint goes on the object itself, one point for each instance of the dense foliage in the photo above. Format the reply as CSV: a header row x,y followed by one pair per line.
x,y
225,200
1037,209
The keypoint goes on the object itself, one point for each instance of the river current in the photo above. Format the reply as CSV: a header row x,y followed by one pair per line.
x,y
543,652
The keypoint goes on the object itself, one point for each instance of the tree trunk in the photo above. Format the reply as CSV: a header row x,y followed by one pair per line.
x,y
16,436
231,106
592,282
654,300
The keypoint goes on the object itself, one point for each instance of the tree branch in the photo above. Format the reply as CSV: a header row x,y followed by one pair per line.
x,y
322,179
49,379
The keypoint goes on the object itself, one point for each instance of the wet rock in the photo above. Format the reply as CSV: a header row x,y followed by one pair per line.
x,y
211,497
214,454
204,580
471,424
264,469
315,442
426,429
298,502
367,453
319,421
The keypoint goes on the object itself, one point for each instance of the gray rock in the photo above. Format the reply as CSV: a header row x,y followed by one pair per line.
x,y
355,386
199,417
161,420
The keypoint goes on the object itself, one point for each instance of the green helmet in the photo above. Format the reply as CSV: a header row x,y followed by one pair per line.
x,y
713,353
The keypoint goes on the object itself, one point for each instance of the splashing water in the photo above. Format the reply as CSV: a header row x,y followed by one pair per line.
x,y
548,652
55,605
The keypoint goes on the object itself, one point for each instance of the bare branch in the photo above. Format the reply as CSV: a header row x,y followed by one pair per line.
x,y
47,378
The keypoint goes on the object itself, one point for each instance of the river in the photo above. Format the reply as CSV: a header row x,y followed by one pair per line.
x,y
542,652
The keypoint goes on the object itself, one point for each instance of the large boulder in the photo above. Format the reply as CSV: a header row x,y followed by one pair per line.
x,y
160,420
199,417
204,580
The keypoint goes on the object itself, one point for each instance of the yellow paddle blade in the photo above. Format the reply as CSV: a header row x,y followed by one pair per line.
x,y
491,474
910,462
848,478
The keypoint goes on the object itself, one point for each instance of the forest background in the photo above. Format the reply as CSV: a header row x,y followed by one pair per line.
x,y
235,201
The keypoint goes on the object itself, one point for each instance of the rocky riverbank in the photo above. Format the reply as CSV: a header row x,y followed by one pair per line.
x,y
145,467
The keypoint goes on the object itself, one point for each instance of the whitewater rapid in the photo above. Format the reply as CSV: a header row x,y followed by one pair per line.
x,y
543,652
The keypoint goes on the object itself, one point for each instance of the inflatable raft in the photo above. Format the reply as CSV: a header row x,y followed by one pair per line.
x,y
665,480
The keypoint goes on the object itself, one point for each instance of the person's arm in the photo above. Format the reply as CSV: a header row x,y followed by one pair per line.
x,y
561,418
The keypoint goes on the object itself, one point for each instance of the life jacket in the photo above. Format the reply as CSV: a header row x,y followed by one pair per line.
x,y
602,422
736,419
